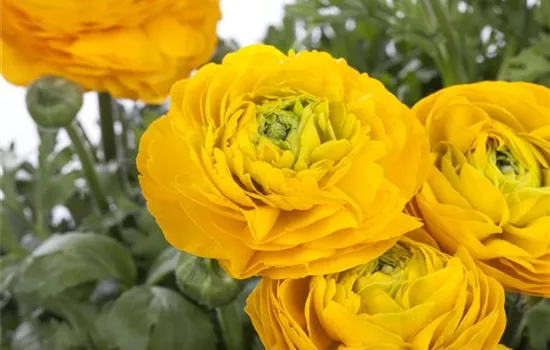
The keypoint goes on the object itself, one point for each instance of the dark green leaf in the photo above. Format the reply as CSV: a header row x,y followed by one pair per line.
x,y
46,336
164,264
537,322
151,318
532,64
82,317
10,265
147,239
13,227
72,259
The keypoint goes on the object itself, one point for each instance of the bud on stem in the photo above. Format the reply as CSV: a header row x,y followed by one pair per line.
x,y
205,281
53,102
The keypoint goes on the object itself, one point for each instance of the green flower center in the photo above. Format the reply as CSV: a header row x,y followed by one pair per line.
x,y
505,162
510,169
388,272
393,261
279,120
277,124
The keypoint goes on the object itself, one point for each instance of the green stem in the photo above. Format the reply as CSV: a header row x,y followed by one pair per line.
x,y
513,333
509,52
515,323
229,319
106,115
88,166
457,74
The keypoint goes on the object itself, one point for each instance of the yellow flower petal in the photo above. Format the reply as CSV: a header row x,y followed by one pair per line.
x,y
294,161
490,143
131,49
411,296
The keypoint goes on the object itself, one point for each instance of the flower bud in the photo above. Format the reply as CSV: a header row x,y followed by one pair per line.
x,y
53,102
205,281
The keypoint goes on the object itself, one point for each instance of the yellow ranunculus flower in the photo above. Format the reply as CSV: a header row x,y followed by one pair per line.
x,y
489,188
283,166
130,48
411,297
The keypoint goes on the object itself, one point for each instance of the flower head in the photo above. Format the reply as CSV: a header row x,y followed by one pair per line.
x,y
411,297
489,188
282,166
131,49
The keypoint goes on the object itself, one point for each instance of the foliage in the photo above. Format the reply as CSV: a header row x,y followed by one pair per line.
x,y
417,46
75,277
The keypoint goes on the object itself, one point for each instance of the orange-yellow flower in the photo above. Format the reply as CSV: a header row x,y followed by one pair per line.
x,y
281,165
489,188
411,297
130,48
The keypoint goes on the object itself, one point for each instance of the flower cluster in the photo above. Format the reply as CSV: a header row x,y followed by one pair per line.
x,y
373,225
299,169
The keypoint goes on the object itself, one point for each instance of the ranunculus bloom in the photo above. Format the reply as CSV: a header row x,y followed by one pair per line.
x,y
489,188
411,297
283,166
130,48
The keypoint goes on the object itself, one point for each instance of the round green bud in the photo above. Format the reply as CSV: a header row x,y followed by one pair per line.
x,y
54,102
205,281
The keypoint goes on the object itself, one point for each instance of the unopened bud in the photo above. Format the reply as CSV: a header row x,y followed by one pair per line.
x,y
205,281
54,102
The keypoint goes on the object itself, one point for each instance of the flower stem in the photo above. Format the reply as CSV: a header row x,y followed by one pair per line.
x,y
106,115
88,166
516,307
457,73
229,320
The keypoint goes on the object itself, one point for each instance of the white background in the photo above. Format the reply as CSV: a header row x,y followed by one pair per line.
x,y
245,21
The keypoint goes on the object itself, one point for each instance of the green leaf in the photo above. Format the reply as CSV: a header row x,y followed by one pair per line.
x,y
60,188
10,265
102,223
147,239
82,317
71,259
537,321
165,263
12,229
532,64
151,318
46,336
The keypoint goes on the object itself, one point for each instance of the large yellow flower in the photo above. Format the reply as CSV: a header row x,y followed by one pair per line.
x,y
489,188
131,48
283,166
411,297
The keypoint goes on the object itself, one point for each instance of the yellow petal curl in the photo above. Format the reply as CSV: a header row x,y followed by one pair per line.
x,y
489,187
283,165
131,49
412,297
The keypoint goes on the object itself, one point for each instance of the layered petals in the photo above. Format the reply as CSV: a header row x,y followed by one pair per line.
x,y
131,49
283,166
411,297
489,187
